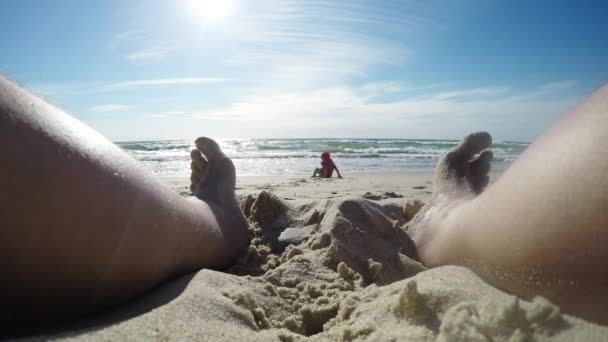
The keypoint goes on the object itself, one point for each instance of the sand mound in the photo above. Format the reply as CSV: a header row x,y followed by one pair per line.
x,y
348,245
412,207
349,272
385,195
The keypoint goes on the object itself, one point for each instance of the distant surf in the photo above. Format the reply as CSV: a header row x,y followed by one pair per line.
x,y
254,157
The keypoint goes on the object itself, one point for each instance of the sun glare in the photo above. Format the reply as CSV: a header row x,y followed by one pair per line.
x,y
211,11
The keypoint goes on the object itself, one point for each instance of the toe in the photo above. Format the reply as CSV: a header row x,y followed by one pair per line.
x,y
219,178
480,183
485,157
482,164
472,144
198,166
219,182
197,158
208,147
195,177
197,172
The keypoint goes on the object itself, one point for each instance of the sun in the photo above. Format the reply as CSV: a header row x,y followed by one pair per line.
x,y
211,11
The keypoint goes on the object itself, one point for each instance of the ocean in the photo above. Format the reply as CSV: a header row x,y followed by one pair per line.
x,y
254,157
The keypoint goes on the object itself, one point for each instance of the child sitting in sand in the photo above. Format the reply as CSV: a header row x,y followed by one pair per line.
x,y
327,167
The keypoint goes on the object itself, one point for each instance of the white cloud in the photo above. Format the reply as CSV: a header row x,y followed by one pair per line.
x,y
174,112
109,108
384,87
336,101
63,89
544,90
345,111
473,93
298,45
554,86
166,82
140,45
192,115
130,36
153,53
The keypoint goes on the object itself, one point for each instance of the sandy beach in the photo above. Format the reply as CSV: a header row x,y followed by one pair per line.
x,y
303,187
329,260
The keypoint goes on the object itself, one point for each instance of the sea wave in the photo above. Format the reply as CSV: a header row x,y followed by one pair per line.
x,y
153,145
291,156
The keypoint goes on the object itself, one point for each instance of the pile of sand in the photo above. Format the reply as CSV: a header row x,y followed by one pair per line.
x,y
332,270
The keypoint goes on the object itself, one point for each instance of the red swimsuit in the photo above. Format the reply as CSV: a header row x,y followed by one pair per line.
x,y
327,167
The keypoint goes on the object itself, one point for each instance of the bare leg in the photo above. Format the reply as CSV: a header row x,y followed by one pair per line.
x,y
542,228
317,172
85,226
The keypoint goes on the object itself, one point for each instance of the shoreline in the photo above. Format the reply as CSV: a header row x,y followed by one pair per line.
x,y
291,187
408,184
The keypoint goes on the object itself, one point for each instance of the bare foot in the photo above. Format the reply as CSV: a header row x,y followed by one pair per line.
x,y
213,177
213,181
458,178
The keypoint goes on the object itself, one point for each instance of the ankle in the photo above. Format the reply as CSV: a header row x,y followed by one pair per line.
x,y
439,237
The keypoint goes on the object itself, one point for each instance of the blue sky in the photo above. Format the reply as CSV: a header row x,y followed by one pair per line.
x,y
146,70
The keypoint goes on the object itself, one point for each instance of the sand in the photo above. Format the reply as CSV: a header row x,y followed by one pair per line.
x,y
329,260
